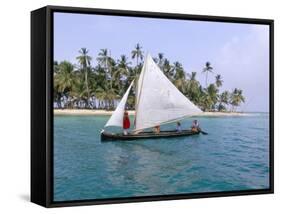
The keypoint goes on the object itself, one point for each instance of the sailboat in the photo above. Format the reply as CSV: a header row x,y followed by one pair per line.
x,y
158,102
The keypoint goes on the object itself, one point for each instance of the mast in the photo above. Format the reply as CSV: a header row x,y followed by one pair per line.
x,y
139,89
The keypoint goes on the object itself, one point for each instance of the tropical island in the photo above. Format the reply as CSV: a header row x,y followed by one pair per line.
x,y
85,88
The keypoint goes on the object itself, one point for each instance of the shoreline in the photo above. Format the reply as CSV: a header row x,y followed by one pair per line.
x,y
132,112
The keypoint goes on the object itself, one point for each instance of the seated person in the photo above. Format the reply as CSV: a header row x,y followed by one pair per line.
x,y
178,127
195,126
156,129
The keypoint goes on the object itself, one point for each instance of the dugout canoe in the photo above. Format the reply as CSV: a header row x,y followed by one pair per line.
x,y
108,136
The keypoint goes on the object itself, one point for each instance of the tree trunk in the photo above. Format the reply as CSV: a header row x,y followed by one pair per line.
x,y
206,79
87,87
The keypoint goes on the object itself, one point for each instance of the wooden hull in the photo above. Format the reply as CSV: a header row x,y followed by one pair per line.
x,y
107,136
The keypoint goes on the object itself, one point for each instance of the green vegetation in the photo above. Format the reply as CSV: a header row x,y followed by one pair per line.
x,y
100,86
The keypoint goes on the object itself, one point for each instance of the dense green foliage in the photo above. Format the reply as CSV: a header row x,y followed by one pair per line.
x,y
100,86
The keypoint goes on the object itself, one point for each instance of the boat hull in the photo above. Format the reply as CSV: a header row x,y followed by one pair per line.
x,y
107,136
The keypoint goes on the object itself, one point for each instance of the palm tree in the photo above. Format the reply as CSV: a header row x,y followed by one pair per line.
x,y
131,102
178,70
107,63
219,80
236,98
223,100
79,91
85,62
160,60
56,66
100,94
207,69
212,91
100,75
103,59
111,95
137,53
56,94
179,77
121,73
168,69
64,77
101,85
205,101
123,65
193,91
63,80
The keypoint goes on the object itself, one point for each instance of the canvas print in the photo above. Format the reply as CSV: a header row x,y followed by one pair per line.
x,y
150,107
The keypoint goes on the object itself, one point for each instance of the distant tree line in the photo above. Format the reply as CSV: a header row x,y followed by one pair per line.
x,y
83,85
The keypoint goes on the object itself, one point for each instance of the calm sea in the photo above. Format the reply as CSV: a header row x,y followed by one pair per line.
x,y
234,156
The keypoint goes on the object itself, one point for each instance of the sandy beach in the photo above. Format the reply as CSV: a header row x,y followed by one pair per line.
x,y
104,112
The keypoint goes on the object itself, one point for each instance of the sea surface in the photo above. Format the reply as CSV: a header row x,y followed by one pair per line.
x,y
233,156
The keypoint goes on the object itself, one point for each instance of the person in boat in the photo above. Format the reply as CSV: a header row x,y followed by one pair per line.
x,y
156,129
126,123
195,126
178,127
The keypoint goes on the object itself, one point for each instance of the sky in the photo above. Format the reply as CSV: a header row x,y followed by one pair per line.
x,y
238,52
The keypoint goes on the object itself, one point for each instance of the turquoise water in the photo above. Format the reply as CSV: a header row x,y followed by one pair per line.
x,y
234,156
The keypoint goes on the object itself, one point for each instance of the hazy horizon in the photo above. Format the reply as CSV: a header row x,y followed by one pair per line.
x,y
239,52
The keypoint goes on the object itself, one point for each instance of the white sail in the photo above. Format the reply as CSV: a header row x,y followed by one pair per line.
x,y
116,118
159,101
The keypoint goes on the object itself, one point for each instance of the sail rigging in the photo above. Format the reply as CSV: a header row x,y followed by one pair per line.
x,y
158,101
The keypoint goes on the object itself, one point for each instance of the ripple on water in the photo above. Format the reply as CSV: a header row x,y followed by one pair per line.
x,y
234,156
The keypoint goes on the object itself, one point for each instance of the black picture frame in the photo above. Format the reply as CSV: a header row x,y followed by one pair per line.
x,y
42,104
